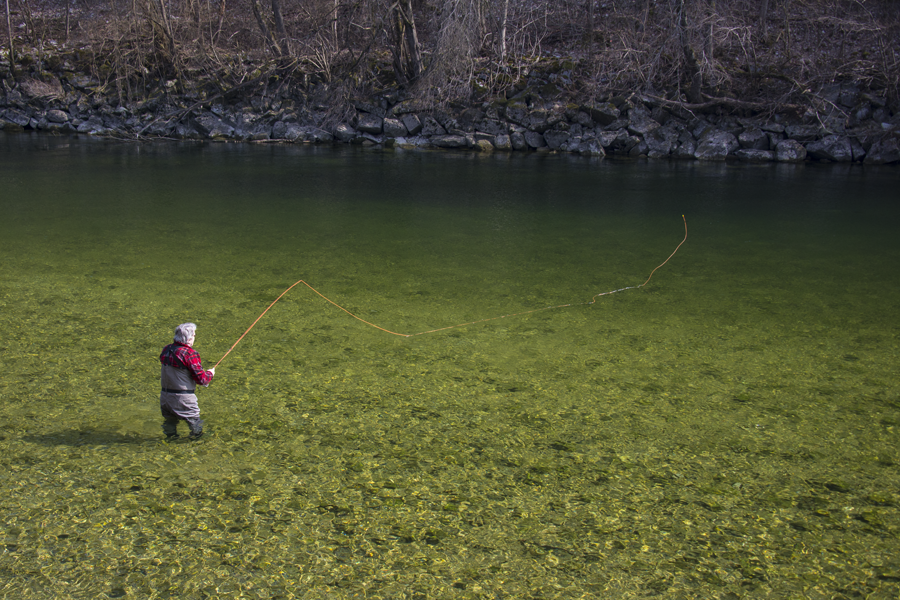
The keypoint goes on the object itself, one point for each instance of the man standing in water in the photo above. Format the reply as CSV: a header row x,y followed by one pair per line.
x,y
181,372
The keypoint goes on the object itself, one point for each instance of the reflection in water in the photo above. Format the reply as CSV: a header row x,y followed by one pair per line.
x,y
728,429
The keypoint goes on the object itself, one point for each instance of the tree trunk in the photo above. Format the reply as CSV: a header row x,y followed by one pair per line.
x,y
334,25
763,18
221,21
165,17
407,59
167,28
690,56
270,39
590,26
12,51
503,33
279,28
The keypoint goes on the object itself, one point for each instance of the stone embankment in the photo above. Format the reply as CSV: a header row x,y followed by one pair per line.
x,y
852,127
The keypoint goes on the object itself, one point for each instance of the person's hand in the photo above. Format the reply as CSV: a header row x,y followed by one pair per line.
x,y
213,370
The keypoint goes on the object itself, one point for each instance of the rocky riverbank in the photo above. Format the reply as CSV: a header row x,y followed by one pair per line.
x,y
842,124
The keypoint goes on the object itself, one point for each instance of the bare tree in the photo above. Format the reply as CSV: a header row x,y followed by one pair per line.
x,y
221,21
690,55
161,25
279,28
763,18
264,28
12,50
504,19
590,31
458,42
405,42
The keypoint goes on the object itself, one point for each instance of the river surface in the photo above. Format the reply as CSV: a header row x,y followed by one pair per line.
x,y
729,430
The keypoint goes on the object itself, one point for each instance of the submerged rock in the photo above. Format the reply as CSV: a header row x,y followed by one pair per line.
x,y
748,155
449,141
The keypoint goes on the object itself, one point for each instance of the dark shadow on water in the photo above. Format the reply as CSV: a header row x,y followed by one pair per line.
x,y
90,437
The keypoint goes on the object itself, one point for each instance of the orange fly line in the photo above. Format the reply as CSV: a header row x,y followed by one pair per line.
x,y
591,301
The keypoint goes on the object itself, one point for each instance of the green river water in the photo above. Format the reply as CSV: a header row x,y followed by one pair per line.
x,y
730,430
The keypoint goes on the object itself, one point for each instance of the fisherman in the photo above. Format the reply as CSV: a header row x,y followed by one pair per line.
x,y
181,372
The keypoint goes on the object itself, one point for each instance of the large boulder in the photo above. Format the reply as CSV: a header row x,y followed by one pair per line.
x,y
492,127
367,139
345,133
835,148
94,126
538,120
12,119
639,149
449,141
790,151
157,127
394,128
57,116
186,130
608,138
517,115
590,148
535,140
257,132
451,124
884,151
859,153
503,142
618,142
640,123
774,138
212,126
317,135
468,118
412,123
370,109
581,118
685,147
556,138
716,145
430,126
517,140
661,141
802,133
754,138
604,113
291,132
368,123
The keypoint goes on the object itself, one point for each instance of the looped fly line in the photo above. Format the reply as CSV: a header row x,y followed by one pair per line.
x,y
591,301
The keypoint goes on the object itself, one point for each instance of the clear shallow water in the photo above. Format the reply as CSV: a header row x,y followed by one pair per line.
x,y
729,430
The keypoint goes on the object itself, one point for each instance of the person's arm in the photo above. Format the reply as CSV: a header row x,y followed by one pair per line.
x,y
195,368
